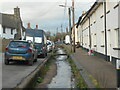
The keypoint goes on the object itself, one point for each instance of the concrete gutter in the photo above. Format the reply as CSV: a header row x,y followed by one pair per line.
x,y
29,80
83,73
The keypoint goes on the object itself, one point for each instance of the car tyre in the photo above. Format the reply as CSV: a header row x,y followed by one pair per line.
x,y
6,62
35,60
44,55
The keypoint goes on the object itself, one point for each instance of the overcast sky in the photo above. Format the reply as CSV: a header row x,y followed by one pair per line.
x,y
46,13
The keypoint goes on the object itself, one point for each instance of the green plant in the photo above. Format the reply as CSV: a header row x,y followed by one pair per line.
x,y
39,79
80,83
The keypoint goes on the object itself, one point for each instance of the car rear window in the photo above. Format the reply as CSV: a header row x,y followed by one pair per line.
x,y
18,44
49,43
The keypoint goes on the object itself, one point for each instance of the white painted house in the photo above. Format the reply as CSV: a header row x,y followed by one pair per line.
x,y
92,30
11,26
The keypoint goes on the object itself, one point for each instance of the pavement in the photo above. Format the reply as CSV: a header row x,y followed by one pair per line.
x,y
14,73
104,72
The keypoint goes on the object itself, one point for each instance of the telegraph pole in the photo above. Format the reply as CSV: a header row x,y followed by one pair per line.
x,y
73,17
61,32
57,30
61,29
69,12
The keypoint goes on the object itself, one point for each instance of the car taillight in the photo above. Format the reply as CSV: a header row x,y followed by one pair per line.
x,y
43,48
6,49
29,50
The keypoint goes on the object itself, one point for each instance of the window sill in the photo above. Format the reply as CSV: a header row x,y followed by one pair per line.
x,y
95,45
116,48
102,46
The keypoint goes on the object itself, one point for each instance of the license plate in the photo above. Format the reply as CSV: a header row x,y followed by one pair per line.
x,y
17,57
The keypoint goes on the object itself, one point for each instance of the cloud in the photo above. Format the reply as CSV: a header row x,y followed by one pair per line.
x,y
46,13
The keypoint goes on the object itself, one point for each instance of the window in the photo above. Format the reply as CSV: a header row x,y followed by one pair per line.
x,y
18,44
116,6
4,31
11,31
108,12
101,16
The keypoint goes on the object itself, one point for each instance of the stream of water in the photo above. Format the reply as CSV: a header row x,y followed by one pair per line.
x,y
63,79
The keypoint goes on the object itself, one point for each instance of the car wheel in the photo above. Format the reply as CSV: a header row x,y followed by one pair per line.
x,y
6,62
35,60
30,63
46,54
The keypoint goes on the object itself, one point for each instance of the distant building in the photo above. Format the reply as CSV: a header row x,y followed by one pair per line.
x,y
76,34
91,28
11,26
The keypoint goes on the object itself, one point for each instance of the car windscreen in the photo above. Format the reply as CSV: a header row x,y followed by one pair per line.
x,y
38,39
18,44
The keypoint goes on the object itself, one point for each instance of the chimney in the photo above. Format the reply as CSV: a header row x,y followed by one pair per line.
x,y
28,25
36,26
17,12
83,12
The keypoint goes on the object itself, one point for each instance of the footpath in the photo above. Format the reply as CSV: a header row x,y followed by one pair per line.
x,y
104,72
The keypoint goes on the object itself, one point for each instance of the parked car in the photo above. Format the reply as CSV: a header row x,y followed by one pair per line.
x,y
39,38
18,50
49,46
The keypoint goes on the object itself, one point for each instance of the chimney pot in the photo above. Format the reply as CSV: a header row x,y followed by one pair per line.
x,y
37,26
83,12
28,25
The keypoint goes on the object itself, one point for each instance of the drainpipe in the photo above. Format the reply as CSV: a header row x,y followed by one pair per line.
x,y
89,33
82,36
118,61
119,30
105,30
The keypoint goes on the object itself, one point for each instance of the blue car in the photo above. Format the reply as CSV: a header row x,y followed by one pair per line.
x,y
18,50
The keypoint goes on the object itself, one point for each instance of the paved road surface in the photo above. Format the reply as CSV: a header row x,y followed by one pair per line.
x,y
12,74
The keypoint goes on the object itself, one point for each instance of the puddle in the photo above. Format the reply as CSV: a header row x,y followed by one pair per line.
x,y
63,79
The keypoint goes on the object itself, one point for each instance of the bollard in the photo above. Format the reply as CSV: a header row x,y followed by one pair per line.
x,y
118,72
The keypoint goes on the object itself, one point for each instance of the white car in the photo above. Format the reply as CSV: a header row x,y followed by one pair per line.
x,y
49,46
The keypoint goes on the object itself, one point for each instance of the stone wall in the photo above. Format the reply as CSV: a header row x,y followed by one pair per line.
x,y
5,42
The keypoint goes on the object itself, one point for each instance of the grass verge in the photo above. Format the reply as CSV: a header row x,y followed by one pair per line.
x,y
44,69
80,83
